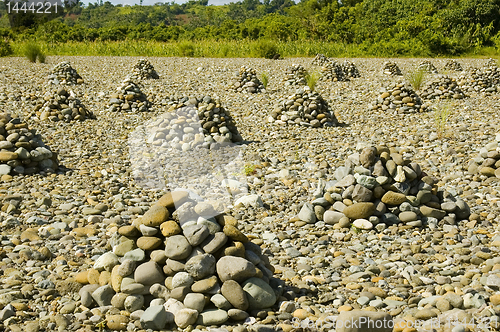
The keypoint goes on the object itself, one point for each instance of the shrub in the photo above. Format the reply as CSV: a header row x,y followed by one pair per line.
x,y
5,48
312,79
265,49
186,48
32,52
416,78
264,78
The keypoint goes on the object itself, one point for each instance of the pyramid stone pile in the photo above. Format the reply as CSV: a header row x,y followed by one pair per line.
x,y
295,75
441,87
333,71
22,151
398,98
428,67
487,163
144,70
391,68
349,69
379,187
63,73
484,80
453,65
492,63
181,264
320,60
247,81
304,108
128,98
61,105
196,122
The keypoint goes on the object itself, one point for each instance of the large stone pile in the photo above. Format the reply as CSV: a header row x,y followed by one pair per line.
x,y
487,162
63,73
453,65
380,187
320,60
295,75
181,264
391,68
349,69
333,71
61,105
128,98
441,87
485,80
22,150
247,81
304,108
428,67
144,70
398,98
194,122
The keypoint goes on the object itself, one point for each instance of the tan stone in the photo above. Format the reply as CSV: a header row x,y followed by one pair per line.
x,y
234,233
84,231
393,198
155,216
128,231
170,228
224,220
30,235
116,279
148,242
82,277
117,322
8,156
93,276
171,199
104,278
359,210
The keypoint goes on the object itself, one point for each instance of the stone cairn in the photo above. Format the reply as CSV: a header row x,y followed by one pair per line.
x,y
63,73
304,108
22,150
61,105
320,60
453,65
428,67
391,68
143,70
194,122
487,162
181,264
485,80
492,63
441,87
398,98
380,187
295,75
333,71
128,98
349,69
248,81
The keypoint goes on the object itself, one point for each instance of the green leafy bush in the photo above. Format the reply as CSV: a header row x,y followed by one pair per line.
x,y
5,48
187,48
32,52
265,49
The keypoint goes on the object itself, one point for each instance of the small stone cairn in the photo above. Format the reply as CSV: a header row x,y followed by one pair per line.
x,y
441,87
428,67
22,150
128,98
484,80
379,187
181,264
320,60
453,65
333,71
61,105
295,75
391,68
492,63
247,81
144,70
63,73
487,162
349,69
304,108
194,122
399,98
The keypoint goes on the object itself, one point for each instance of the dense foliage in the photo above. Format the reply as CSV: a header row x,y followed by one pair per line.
x,y
376,27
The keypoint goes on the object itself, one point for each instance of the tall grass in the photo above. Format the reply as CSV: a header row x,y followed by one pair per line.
x,y
441,115
312,79
264,78
416,78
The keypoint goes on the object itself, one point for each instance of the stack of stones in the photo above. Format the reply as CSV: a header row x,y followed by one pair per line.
x,y
22,150
295,75
476,80
428,67
144,70
320,60
380,187
441,87
63,73
128,98
304,108
492,63
248,81
400,99
487,163
333,71
179,265
349,69
453,65
195,122
61,105
391,68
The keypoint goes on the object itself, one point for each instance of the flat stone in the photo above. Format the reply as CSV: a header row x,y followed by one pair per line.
x,y
359,210
177,247
155,216
212,317
259,294
234,293
235,268
149,273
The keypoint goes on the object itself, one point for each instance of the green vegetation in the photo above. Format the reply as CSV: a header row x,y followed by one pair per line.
x,y
250,169
264,29
5,48
416,78
33,52
441,115
264,78
312,79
